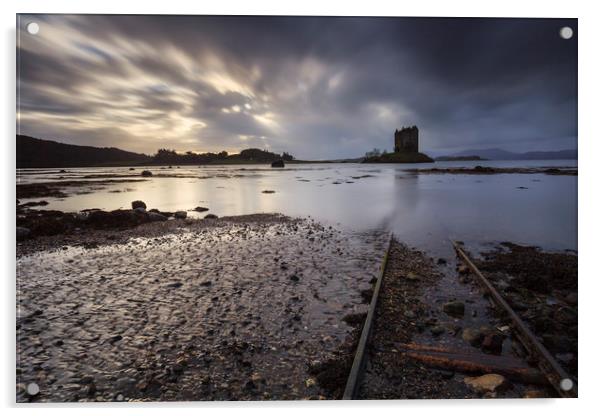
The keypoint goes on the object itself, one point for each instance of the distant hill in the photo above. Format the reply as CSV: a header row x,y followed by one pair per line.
x,y
37,153
500,154
457,158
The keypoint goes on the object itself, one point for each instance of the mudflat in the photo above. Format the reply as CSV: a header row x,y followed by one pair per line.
x,y
220,309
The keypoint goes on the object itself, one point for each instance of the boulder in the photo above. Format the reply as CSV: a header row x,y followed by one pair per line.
x,y
140,210
138,204
454,308
489,383
155,216
201,209
278,164
147,173
23,233
210,217
180,215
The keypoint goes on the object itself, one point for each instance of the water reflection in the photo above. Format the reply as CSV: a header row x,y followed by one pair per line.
x,y
424,210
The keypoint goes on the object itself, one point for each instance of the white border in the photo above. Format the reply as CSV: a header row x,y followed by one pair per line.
x,y
590,152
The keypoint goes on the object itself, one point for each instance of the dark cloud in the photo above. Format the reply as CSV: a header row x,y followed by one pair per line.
x,y
317,87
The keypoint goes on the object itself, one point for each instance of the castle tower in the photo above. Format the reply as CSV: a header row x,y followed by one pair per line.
x,y
406,140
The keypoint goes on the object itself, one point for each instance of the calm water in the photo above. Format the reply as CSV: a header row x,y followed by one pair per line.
x,y
423,210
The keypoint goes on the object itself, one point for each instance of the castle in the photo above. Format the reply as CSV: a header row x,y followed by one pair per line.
x,y
406,140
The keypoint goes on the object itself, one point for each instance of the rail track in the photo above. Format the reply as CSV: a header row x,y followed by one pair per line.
x,y
554,374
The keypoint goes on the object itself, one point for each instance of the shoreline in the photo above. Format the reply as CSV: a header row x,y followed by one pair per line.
x,y
415,290
234,308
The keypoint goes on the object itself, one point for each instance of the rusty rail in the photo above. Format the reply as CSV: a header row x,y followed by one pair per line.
x,y
358,361
558,378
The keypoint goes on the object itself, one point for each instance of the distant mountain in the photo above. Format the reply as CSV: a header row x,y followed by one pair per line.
x,y
500,154
457,158
37,153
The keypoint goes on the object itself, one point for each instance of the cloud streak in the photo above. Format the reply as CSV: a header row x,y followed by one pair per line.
x,y
316,87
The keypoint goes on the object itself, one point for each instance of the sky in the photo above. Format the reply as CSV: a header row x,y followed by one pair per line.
x,y
316,87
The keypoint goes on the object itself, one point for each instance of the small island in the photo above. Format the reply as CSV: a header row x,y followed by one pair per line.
x,y
405,150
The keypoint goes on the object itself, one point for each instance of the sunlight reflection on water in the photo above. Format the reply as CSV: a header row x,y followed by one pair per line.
x,y
423,210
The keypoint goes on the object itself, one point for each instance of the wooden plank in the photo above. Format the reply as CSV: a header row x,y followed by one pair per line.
x,y
548,365
358,361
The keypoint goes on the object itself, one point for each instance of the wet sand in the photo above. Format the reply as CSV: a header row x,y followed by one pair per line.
x,y
230,309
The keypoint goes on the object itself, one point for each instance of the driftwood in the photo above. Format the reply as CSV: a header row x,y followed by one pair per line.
x,y
473,362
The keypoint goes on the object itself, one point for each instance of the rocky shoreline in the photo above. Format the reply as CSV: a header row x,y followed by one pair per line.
x,y
187,309
32,223
127,306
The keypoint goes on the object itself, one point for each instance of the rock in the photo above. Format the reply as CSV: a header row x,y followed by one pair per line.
x,y
91,389
310,382
441,261
454,308
489,383
125,383
180,215
210,217
409,314
437,330
492,342
115,338
278,164
140,210
250,385
132,169
268,191
138,204
175,285
473,336
23,233
180,365
201,209
294,278
155,216
463,269
412,276
147,173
